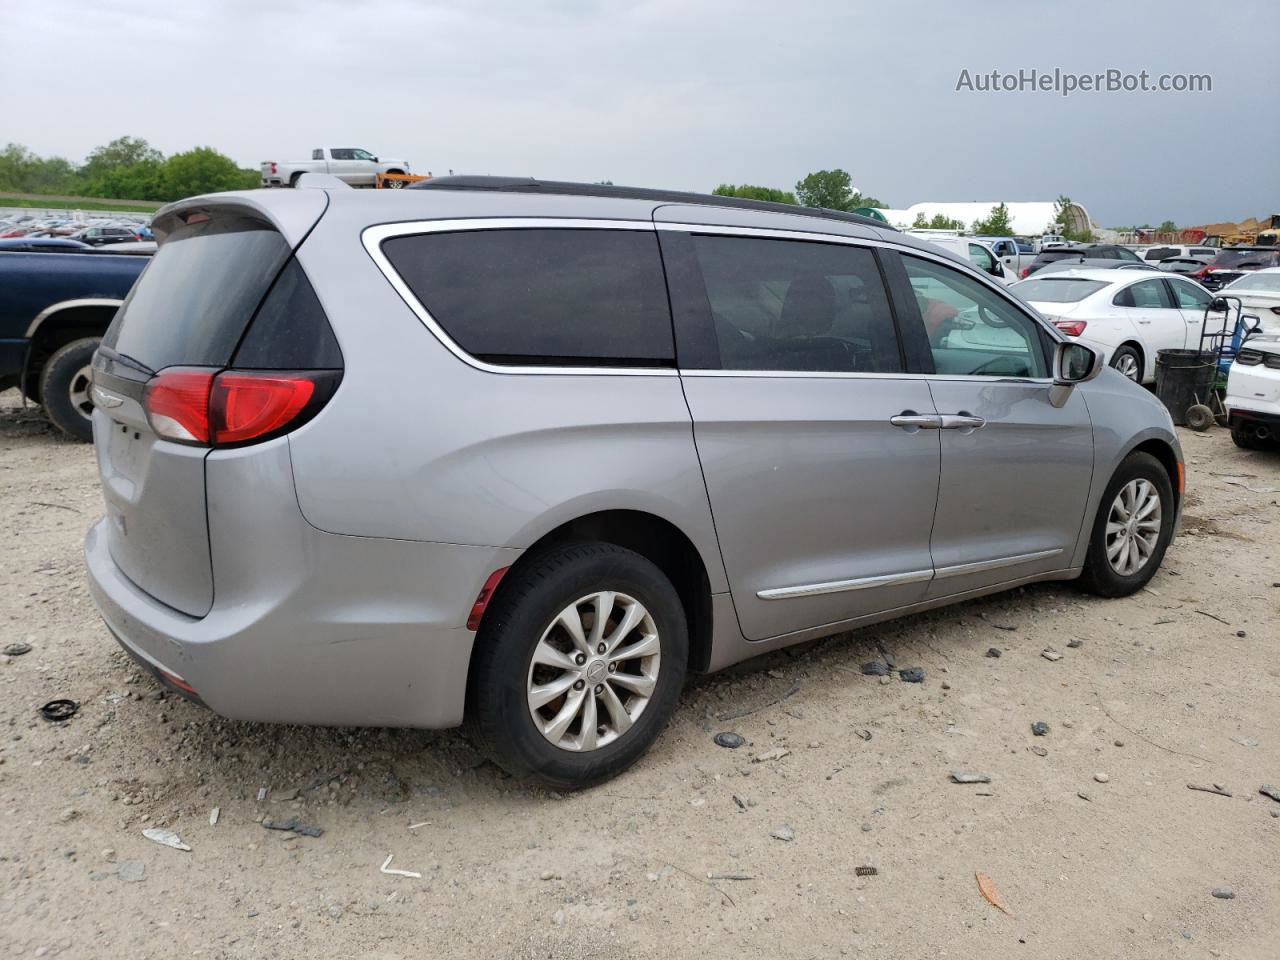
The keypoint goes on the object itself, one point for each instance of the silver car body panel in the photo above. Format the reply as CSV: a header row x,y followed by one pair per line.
x,y
342,584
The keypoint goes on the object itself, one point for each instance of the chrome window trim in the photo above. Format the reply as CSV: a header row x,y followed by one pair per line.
x,y
372,238
947,261
896,579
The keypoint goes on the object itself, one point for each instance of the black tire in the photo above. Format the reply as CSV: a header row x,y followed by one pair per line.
x,y
64,388
396,184
1099,577
293,180
1200,417
528,600
1121,357
1244,436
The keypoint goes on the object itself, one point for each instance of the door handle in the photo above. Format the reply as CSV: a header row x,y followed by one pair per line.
x,y
961,421
910,420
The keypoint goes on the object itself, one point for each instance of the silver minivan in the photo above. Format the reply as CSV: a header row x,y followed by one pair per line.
x,y
524,453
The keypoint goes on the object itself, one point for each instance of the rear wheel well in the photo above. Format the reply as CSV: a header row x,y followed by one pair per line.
x,y
1164,453
57,330
664,545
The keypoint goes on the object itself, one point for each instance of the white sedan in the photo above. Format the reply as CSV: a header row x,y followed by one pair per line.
x,y
1131,314
1259,294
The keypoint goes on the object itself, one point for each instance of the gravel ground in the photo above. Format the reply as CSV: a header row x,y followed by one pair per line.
x,y
1089,833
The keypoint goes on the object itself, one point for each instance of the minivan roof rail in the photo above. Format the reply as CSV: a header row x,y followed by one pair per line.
x,y
568,188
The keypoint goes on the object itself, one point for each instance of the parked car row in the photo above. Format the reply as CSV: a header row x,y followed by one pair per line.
x,y
94,232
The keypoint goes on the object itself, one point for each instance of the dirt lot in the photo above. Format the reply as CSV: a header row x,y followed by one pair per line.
x,y
1176,685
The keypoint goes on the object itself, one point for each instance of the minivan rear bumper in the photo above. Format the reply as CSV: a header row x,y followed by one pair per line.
x,y
306,626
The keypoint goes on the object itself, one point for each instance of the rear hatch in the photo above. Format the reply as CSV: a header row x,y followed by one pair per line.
x,y
192,308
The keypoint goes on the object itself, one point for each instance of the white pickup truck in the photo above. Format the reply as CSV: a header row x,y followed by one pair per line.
x,y
357,167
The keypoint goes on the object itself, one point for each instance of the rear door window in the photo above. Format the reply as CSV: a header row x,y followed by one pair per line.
x,y
592,297
1148,295
198,294
793,305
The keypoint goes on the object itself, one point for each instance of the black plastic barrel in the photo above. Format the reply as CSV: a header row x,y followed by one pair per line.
x,y
1183,379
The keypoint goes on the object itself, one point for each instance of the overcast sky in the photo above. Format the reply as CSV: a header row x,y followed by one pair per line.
x,y
678,93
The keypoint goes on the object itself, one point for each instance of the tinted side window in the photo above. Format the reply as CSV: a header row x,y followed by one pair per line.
x,y
1124,253
290,330
342,153
1161,253
1149,295
794,305
973,331
543,296
1189,296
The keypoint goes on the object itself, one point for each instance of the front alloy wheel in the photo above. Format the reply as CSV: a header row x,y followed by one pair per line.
x,y
593,671
1133,527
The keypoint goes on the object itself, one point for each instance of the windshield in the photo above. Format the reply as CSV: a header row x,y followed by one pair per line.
x,y
1057,289
1257,281
1240,258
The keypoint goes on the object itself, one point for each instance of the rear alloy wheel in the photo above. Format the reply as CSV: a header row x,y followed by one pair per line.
x,y
593,671
1128,362
64,388
1132,529
578,664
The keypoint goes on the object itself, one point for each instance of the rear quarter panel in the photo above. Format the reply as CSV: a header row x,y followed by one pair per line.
x,y
419,445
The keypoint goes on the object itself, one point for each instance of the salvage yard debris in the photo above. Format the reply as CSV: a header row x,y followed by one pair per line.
x,y
992,895
294,824
962,777
386,868
165,838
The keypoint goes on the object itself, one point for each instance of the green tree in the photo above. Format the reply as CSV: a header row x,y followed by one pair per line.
x,y
996,224
24,172
1168,226
939,222
1062,223
119,153
203,170
749,192
832,189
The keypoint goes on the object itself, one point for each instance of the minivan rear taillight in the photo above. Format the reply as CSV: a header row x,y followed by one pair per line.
x,y
234,407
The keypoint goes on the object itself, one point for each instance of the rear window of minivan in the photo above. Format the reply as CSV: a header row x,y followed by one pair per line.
x,y
540,296
195,299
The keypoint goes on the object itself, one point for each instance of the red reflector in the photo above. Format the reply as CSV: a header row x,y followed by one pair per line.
x,y
177,404
247,405
483,598
180,684
1026,272
1072,328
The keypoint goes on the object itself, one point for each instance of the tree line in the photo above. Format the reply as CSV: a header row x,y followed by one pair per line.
x,y
127,168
